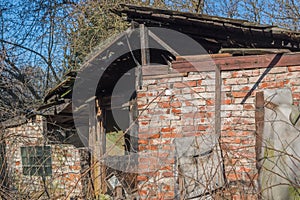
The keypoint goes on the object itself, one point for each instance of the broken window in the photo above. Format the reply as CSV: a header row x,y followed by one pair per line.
x,y
121,129
36,160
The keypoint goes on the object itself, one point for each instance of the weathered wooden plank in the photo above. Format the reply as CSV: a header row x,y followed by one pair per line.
x,y
204,57
239,62
165,76
155,70
101,146
194,66
259,124
145,54
253,51
162,43
132,135
119,193
144,37
95,170
218,101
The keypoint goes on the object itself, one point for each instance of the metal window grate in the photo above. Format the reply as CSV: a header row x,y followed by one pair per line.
x,y
36,160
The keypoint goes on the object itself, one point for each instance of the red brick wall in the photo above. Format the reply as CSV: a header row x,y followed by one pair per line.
x,y
65,181
186,109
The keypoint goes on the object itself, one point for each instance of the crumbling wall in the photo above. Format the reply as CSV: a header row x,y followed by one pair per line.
x,y
65,181
175,114
178,104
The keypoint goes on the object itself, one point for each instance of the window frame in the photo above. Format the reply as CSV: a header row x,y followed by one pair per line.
x,y
36,160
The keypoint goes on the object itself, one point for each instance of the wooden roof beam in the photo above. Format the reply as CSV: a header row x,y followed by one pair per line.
x,y
237,62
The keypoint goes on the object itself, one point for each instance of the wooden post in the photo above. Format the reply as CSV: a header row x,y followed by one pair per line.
x,y
218,100
145,53
259,125
133,114
92,146
119,193
97,144
181,185
101,147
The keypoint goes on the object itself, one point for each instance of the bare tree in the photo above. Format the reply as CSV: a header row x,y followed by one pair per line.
x,y
32,38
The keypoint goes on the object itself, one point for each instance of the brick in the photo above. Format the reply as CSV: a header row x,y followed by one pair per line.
x,y
189,129
179,85
226,101
226,88
164,105
142,178
234,81
167,174
248,100
176,104
167,129
75,168
202,128
171,135
150,82
277,84
160,141
239,94
191,83
249,107
143,192
232,107
176,111
295,82
205,95
242,87
278,70
294,68
206,82
210,102
192,77
171,80
141,94
186,90
149,134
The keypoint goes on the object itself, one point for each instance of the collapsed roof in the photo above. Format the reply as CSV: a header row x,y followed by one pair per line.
x,y
213,32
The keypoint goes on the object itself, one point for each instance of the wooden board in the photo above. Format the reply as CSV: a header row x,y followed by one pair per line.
x,y
239,62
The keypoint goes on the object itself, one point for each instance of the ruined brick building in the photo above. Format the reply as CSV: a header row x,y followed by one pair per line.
x,y
221,125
